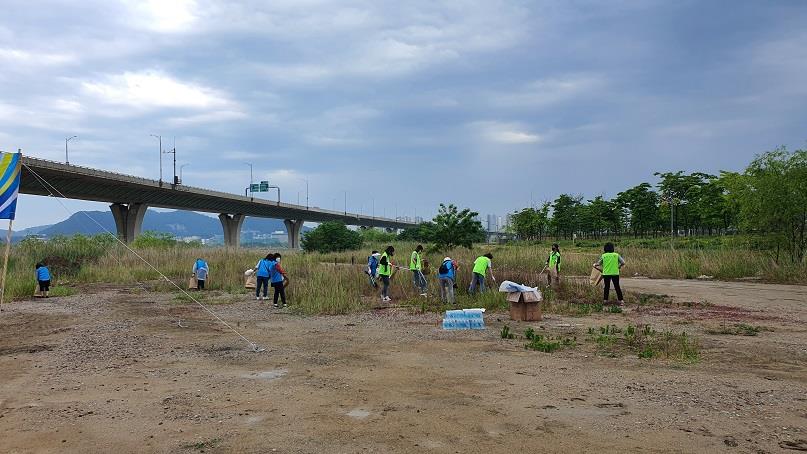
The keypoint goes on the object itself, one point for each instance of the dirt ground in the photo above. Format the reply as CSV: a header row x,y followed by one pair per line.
x,y
111,370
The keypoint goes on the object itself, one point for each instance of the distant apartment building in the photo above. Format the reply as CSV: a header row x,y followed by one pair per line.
x,y
493,223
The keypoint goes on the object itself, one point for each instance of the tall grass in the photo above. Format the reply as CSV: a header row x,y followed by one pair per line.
x,y
335,283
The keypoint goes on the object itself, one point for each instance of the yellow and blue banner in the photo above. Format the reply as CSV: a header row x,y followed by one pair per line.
x,y
10,165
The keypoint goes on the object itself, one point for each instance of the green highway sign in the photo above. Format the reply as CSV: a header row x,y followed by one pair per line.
x,y
255,187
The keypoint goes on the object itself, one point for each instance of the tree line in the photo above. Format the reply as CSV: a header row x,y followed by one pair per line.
x,y
768,198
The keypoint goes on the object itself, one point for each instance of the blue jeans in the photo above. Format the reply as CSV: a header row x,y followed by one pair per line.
x,y
419,280
478,280
262,282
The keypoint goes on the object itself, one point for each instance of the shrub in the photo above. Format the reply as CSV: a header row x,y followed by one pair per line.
x,y
331,236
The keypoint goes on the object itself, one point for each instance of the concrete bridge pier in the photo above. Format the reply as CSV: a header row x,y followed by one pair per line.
x,y
231,223
128,219
293,228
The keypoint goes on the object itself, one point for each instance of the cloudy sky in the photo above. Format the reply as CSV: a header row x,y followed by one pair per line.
x,y
485,104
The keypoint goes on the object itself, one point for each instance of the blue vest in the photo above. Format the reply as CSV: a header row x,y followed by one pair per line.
x,y
265,268
42,274
450,273
274,274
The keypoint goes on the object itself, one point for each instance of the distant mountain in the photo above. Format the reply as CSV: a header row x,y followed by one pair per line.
x,y
31,230
178,223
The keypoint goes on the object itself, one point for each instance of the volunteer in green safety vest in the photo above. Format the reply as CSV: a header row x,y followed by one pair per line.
x,y
416,267
609,264
553,265
385,271
481,266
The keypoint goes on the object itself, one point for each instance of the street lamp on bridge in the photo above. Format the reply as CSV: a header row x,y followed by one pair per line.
x,y
68,139
306,192
180,172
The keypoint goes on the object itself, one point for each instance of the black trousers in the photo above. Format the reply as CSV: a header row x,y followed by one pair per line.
x,y
279,291
200,284
607,291
44,286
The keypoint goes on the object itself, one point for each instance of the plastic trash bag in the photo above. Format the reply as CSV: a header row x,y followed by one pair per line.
x,y
510,287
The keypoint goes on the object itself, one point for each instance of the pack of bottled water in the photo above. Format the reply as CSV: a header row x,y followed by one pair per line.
x,y
464,319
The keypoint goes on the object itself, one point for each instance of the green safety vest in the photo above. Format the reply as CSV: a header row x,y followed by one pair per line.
x,y
385,270
554,258
414,262
610,264
481,265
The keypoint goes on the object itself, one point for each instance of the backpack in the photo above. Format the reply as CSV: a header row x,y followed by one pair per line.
x,y
444,268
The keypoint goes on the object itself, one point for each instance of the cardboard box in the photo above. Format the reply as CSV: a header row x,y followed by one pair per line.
x,y
596,277
524,306
251,281
523,297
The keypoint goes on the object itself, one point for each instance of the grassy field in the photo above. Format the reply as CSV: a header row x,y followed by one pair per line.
x,y
335,283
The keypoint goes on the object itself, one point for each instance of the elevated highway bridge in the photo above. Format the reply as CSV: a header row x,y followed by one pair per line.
x,y
130,196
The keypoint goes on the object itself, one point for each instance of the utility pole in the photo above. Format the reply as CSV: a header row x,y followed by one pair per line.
x,y
66,159
175,160
174,152
306,193
160,138
345,203
250,180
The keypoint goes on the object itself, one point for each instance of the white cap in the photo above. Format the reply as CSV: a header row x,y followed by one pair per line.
x,y
447,258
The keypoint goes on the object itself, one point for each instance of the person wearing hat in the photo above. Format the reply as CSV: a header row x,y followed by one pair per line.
x,y
372,267
553,266
447,274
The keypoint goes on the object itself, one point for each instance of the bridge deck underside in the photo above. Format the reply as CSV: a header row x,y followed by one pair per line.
x,y
82,184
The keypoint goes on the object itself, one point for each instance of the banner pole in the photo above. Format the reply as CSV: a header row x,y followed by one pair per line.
x,y
5,264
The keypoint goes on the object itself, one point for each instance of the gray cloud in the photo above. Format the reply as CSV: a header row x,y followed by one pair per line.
x,y
408,103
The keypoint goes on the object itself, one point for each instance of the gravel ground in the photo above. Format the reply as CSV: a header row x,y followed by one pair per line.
x,y
111,369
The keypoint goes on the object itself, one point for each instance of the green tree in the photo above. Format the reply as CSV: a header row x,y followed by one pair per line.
x,y
683,191
565,215
453,228
153,239
641,204
331,236
531,223
423,232
373,235
772,195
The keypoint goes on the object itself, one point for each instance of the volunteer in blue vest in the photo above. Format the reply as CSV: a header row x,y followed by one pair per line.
x,y
609,265
263,271
200,270
553,266
447,273
385,267
279,281
416,267
372,268
43,279
481,266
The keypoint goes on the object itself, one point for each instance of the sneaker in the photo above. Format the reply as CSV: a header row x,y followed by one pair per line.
x,y
620,303
424,294
285,305
275,305
387,298
257,298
